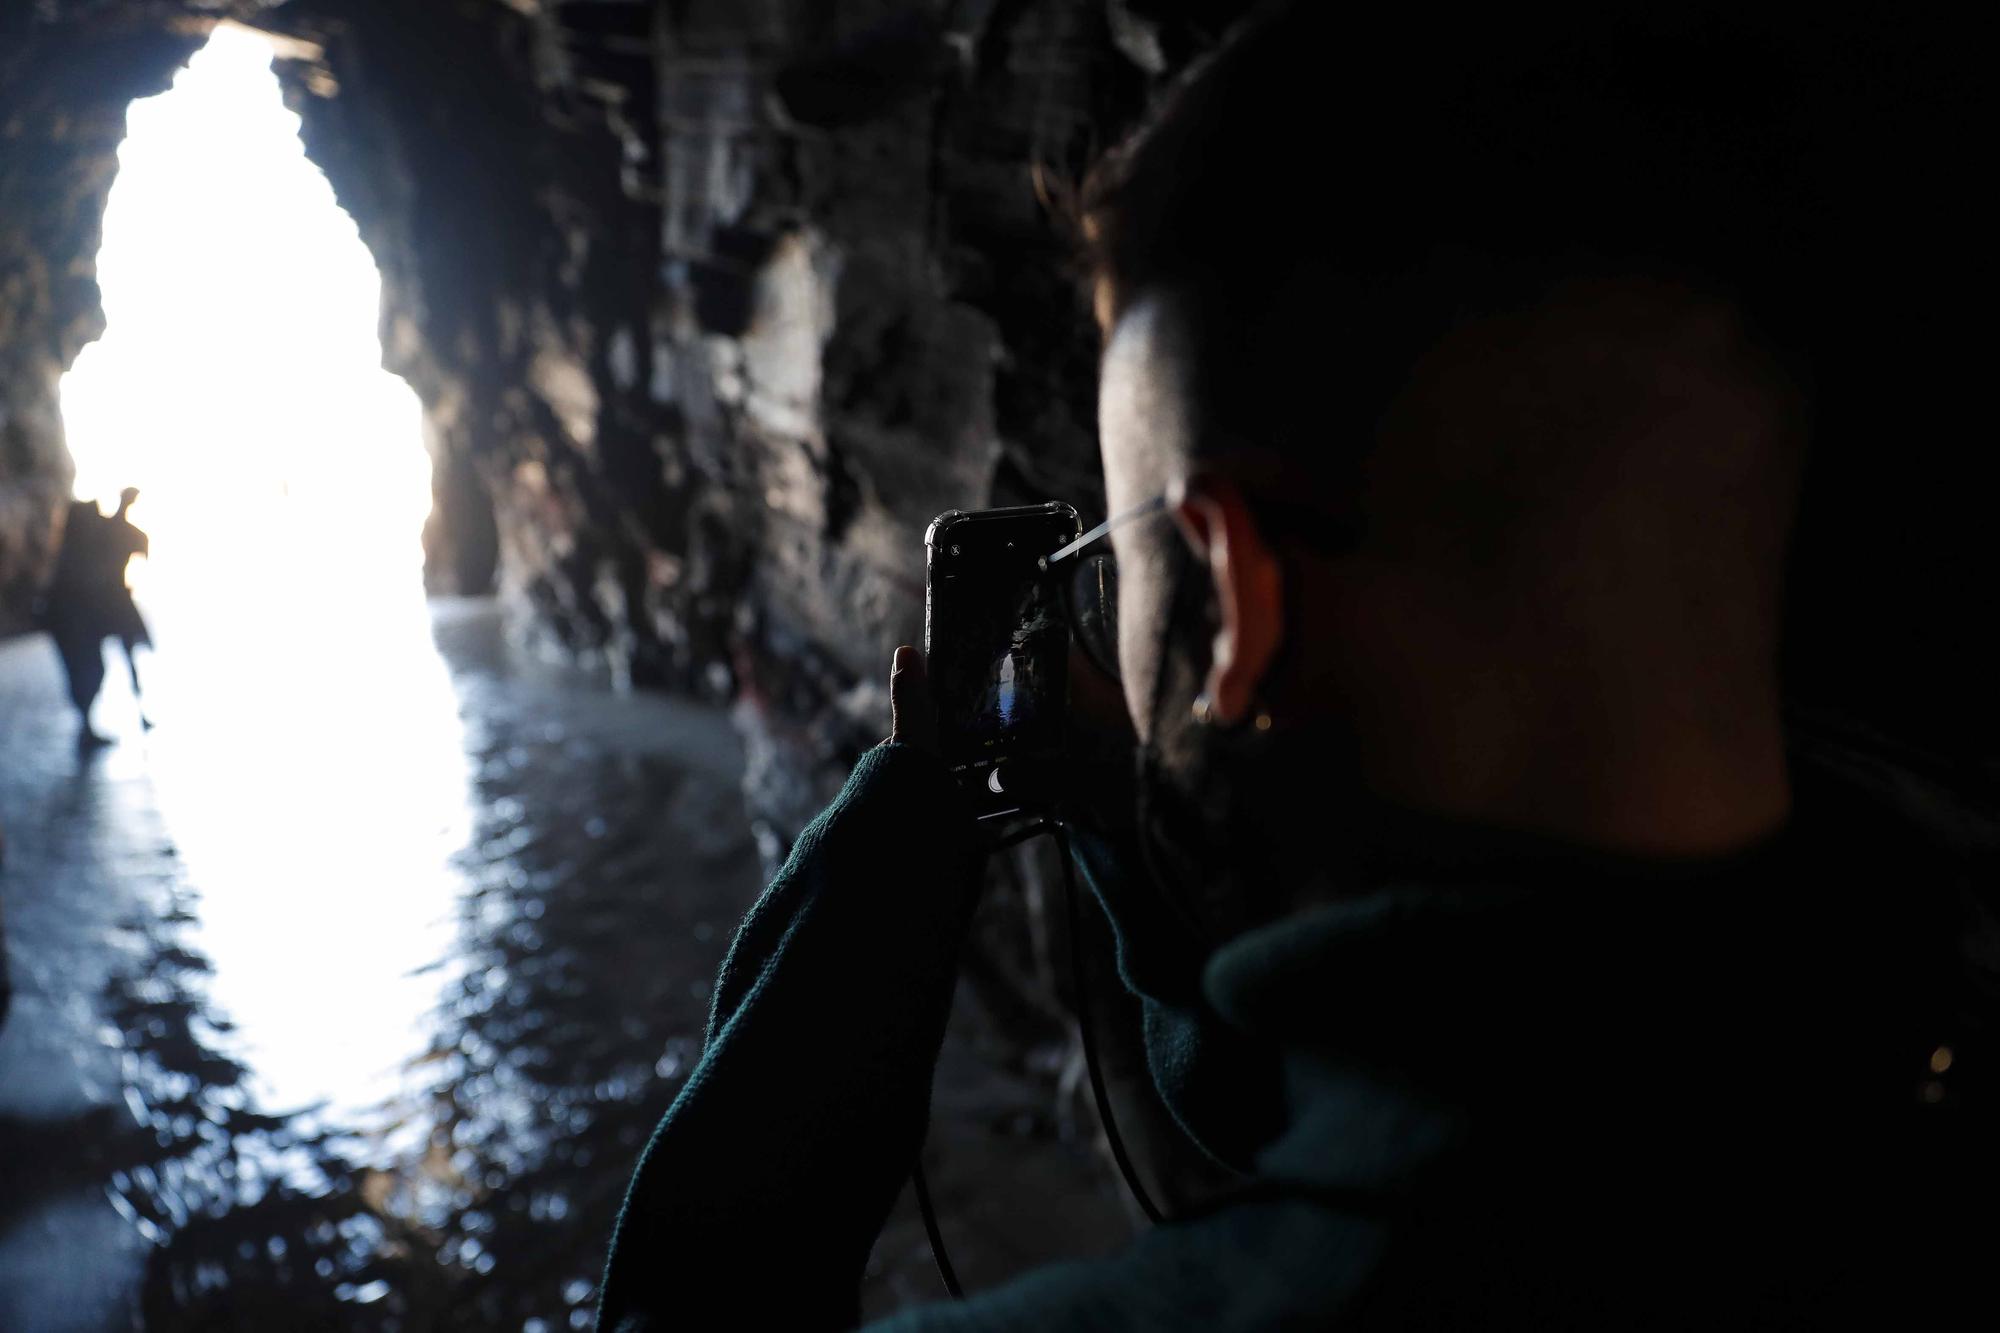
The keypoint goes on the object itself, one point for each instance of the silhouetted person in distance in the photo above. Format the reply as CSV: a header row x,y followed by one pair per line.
x,y
87,601
122,541
1486,927
75,609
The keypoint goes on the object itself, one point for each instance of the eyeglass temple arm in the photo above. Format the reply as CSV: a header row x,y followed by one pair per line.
x,y
1118,520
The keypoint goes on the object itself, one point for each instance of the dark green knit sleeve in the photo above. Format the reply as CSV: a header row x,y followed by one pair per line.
x,y
762,1191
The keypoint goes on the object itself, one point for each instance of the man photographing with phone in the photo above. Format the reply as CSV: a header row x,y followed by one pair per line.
x,y
1457,446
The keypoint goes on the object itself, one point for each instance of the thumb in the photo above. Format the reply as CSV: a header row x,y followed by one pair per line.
x,y
912,714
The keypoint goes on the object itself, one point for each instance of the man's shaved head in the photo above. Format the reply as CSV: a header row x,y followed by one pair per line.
x,y
1506,335
1340,203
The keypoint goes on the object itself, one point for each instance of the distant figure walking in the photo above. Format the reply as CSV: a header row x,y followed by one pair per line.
x,y
72,612
87,601
122,541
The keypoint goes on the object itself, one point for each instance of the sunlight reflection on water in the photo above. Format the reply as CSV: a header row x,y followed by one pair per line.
x,y
373,862
309,760
312,771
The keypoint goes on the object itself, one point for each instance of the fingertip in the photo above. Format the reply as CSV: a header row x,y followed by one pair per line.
x,y
905,659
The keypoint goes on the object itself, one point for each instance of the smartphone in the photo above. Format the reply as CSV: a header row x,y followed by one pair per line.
x,y
996,637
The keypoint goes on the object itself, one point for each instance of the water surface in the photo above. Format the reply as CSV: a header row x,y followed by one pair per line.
x,y
346,996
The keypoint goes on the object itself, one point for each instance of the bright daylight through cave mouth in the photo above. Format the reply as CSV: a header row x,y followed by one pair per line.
x,y
284,485
238,384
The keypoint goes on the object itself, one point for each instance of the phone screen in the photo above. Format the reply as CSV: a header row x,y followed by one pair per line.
x,y
997,640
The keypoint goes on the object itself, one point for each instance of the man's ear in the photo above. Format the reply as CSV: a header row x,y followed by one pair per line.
x,y
1243,569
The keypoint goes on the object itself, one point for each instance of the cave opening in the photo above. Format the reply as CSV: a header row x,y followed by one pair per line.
x,y
284,484
239,382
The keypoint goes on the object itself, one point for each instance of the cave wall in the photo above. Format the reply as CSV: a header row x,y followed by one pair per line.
x,y
515,267
714,305
867,317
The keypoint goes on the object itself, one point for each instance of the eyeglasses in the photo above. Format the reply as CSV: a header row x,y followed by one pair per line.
x,y
1110,525
1090,589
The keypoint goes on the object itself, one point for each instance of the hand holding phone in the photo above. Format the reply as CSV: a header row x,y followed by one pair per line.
x,y
912,711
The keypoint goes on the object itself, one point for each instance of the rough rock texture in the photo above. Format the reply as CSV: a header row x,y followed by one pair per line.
x,y
865,321
514,269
